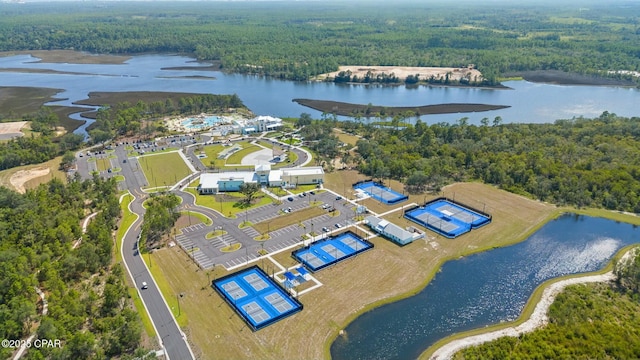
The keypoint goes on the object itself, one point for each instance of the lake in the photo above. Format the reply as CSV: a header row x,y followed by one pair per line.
x,y
483,289
530,102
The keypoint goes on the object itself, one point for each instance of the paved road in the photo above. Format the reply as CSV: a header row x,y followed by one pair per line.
x,y
171,338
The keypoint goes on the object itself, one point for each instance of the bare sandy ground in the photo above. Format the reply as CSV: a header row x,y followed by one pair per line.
x,y
10,130
22,176
455,74
538,318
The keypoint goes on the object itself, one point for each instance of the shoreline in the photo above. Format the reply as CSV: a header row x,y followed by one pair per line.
x,y
536,320
428,352
372,111
557,77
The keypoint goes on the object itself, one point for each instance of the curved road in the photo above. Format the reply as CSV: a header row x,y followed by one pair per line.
x,y
171,338
173,341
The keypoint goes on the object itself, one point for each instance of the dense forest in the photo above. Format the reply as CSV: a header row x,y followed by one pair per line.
x,y
596,321
580,162
297,40
43,247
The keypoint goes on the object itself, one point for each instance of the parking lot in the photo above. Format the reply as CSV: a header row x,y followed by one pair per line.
x,y
122,159
207,252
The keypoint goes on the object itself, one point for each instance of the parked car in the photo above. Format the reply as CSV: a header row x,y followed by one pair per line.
x,y
290,198
325,229
339,198
338,225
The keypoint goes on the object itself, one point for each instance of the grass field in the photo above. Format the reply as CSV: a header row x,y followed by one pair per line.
x,y
212,152
236,158
346,138
222,334
302,188
164,169
194,214
228,208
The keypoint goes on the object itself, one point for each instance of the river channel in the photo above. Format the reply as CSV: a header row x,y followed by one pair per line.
x,y
529,102
483,289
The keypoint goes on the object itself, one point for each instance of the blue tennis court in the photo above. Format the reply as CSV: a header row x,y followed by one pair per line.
x,y
380,192
323,253
254,296
447,218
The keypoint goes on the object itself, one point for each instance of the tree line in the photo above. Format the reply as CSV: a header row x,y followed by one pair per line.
x,y
132,119
88,307
41,145
300,40
580,162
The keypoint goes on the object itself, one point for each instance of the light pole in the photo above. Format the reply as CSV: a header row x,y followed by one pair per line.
x,y
178,296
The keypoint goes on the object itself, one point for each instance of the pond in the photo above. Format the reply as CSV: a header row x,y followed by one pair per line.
x,y
483,289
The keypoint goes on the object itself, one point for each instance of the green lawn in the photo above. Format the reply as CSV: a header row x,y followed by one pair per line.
x,y
163,284
204,218
229,209
247,148
103,164
212,152
303,188
267,144
164,169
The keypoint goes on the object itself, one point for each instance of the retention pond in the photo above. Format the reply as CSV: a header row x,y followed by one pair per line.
x,y
483,289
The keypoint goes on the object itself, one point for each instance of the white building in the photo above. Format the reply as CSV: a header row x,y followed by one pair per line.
x,y
292,177
213,183
392,231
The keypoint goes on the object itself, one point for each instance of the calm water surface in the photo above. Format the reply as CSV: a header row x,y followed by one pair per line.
x,y
483,289
530,103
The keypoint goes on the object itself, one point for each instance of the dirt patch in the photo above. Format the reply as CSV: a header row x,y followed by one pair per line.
x,y
565,78
347,109
19,179
10,130
455,74
68,56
